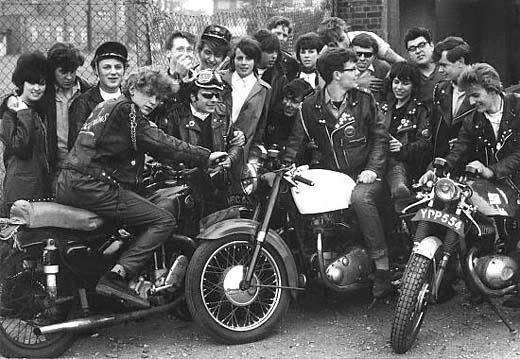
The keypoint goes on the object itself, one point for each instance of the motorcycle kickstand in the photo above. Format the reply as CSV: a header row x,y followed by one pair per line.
x,y
500,314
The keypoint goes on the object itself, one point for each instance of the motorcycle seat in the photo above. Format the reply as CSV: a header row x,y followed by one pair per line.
x,y
49,214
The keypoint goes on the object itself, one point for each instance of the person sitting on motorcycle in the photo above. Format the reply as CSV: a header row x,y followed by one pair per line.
x,y
106,163
352,138
408,122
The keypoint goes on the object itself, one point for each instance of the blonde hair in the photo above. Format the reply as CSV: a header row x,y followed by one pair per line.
x,y
149,82
480,74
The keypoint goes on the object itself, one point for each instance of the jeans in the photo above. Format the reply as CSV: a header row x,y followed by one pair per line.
x,y
364,202
124,208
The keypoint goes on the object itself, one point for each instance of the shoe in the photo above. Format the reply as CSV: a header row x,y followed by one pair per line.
x,y
383,286
112,284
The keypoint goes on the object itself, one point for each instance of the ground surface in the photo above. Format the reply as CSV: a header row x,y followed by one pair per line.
x,y
320,326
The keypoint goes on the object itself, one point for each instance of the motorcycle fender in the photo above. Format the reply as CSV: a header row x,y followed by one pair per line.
x,y
243,226
428,246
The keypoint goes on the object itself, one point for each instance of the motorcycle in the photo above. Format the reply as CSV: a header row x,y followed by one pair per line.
x,y
52,256
467,222
245,271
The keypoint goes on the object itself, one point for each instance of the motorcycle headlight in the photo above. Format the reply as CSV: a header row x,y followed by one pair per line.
x,y
249,179
446,190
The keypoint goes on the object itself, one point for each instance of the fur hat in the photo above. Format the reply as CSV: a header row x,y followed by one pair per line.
x,y
31,67
110,50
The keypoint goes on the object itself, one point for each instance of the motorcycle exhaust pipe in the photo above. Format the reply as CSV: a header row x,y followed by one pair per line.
x,y
83,324
478,282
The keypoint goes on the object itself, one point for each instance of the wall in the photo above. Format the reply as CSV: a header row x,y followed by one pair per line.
x,y
364,14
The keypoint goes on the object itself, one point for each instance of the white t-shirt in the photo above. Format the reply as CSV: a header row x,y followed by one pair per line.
x,y
241,87
109,95
495,119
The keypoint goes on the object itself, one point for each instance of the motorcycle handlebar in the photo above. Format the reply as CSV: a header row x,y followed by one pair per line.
x,y
303,180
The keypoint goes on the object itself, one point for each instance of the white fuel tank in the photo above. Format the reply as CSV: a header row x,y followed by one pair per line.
x,y
331,191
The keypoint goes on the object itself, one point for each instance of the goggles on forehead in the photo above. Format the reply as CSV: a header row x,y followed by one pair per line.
x,y
209,79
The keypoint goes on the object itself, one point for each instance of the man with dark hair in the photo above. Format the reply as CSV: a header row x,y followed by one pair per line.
x,y
372,71
334,32
63,86
109,64
282,27
213,48
418,41
352,138
450,104
307,48
179,48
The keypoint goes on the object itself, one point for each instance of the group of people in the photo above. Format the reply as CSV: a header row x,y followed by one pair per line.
x,y
343,100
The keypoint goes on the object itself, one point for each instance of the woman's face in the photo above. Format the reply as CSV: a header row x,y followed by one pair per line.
x,y
32,92
244,65
308,57
110,73
402,89
147,103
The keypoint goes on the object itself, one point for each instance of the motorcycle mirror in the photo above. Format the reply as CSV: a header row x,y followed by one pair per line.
x,y
439,162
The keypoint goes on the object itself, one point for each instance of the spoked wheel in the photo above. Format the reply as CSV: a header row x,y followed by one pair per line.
x,y
23,307
412,303
225,311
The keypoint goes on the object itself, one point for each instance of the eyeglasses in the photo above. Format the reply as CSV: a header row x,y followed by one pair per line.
x,y
366,55
419,46
210,95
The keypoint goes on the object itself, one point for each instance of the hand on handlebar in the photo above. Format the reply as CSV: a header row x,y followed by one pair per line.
x,y
428,177
367,176
217,157
482,170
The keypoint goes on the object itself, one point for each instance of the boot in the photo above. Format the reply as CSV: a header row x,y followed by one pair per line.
x,y
112,284
383,286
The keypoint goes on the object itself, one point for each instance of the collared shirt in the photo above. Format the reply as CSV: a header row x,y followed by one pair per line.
x,y
241,87
200,115
495,119
309,77
63,101
332,107
368,72
456,100
109,95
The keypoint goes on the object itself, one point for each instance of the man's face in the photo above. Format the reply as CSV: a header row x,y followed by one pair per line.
x,y
420,51
308,58
348,75
146,102
180,45
244,65
110,73
451,70
206,100
65,80
208,59
268,59
282,32
291,105
482,99
365,57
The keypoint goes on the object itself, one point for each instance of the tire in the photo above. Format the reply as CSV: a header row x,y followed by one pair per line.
x,y
22,307
412,303
240,316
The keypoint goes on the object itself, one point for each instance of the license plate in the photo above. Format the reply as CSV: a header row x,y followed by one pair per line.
x,y
444,219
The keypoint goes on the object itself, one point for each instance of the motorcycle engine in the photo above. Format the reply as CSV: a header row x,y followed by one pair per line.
x,y
349,267
496,271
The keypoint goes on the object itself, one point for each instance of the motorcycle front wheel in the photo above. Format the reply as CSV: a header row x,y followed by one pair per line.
x,y
412,303
218,305
23,307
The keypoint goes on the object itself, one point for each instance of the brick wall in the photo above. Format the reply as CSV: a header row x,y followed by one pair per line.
x,y
364,14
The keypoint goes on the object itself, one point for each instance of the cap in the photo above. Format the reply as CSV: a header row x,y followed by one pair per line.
x,y
216,32
209,79
110,50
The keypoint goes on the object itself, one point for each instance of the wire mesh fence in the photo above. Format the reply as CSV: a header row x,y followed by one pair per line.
x,y
27,25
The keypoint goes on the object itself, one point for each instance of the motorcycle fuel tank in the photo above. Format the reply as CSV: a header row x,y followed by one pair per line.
x,y
331,191
493,198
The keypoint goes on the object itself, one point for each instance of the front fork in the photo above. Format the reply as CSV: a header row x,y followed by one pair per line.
x,y
261,234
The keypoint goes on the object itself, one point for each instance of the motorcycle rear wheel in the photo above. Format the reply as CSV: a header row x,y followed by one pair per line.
x,y
412,303
22,308
236,316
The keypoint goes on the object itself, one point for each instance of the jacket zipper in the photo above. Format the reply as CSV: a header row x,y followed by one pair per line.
x,y
331,141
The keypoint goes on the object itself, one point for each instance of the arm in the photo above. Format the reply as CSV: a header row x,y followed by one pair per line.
x,y
258,135
385,51
79,111
19,139
510,164
462,145
421,147
378,137
296,138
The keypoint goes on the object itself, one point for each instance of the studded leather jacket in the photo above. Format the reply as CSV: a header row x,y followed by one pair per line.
x,y
477,141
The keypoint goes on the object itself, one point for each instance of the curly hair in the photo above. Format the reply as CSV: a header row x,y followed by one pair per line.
x,y
405,71
480,74
415,32
149,82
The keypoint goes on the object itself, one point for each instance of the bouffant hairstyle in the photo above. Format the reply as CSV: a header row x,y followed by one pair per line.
x,y
366,41
480,74
30,67
415,32
149,82
405,71
455,48
250,47
334,60
308,41
64,55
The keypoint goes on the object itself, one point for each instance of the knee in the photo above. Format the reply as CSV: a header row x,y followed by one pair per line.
x,y
166,221
363,195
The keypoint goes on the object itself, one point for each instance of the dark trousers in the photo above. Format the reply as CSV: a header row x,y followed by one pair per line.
x,y
125,208
364,202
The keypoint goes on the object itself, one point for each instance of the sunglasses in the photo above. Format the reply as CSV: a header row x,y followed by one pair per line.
x,y
210,95
366,55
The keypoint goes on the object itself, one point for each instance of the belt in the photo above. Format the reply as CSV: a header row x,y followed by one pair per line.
x,y
96,173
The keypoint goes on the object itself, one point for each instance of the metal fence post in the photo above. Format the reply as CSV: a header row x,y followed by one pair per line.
x,y
142,33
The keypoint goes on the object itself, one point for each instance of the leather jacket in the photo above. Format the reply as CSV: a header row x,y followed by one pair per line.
x,y
79,111
357,141
476,141
113,141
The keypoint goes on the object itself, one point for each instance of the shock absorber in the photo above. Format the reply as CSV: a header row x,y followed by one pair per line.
x,y
51,268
